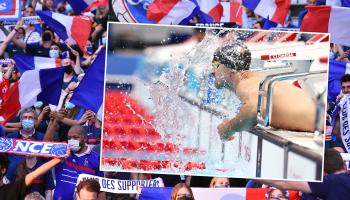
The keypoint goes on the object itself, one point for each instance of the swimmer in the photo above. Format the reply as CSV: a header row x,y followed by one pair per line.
x,y
293,109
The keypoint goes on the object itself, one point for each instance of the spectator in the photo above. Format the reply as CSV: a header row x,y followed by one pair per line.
x,y
302,13
181,191
43,184
277,194
88,189
34,196
19,188
336,180
258,25
219,182
82,160
6,72
28,119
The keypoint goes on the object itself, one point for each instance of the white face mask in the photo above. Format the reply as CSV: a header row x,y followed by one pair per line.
x,y
74,145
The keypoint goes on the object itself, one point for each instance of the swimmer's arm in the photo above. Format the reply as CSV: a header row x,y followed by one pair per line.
x,y
245,119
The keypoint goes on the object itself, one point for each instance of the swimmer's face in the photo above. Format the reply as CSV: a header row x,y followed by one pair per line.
x,y
221,74
345,87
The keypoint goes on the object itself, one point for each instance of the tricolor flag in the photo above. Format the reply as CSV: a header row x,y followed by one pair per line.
x,y
80,6
341,3
213,8
233,12
327,19
172,11
34,85
160,193
74,29
276,9
89,93
336,70
27,62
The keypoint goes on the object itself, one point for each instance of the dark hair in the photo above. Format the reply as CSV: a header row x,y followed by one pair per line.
x,y
260,22
90,185
235,56
345,78
4,161
333,162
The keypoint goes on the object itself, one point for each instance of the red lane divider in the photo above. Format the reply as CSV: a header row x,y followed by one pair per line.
x,y
127,163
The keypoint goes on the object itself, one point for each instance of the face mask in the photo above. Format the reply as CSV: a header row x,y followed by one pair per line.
x,y
89,50
68,69
28,125
68,105
54,54
69,8
104,40
222,186
38,104
332,55
74,145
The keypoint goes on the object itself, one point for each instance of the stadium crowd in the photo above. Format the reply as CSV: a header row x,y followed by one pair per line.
x,y
32,178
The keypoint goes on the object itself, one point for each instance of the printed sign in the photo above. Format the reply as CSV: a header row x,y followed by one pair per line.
x,y
32,148
122,186
10,9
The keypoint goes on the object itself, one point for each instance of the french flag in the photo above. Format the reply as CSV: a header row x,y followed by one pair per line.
x,y
73,29
341,3
80,6
277,10
327,19
213,8
27,62
89,93
233,12
336,70
172,11
34,85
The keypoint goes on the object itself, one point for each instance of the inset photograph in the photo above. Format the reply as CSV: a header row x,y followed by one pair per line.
x,y
215,102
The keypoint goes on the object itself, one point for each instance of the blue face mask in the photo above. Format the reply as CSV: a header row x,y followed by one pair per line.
x,y
38,104
332,55
54,54
104,40
68,8
28,124
89,50
68,105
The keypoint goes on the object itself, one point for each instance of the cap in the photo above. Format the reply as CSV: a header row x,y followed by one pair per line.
x,y
234,56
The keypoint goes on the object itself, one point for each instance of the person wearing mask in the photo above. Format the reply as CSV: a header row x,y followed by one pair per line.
x,y
181,191
83,160
28,120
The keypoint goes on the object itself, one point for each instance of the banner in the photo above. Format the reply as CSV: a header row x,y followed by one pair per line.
x,y
214,193
10,9
122,186
344,121
33,148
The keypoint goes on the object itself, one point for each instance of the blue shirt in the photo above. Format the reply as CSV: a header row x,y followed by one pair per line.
x,y
67,172
44,182
15,159
333,187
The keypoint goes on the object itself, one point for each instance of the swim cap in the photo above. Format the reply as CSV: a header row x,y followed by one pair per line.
x,y
234,56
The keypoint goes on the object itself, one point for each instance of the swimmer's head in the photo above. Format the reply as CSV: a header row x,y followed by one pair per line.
x,y
234,56
227,60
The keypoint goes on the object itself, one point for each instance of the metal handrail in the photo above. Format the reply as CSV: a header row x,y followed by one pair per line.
x,y
268,115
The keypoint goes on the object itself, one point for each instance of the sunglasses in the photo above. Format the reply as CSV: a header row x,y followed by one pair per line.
x,y
215,64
